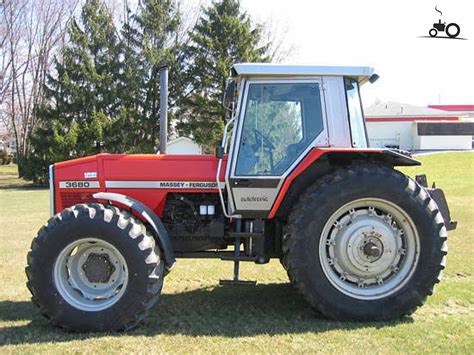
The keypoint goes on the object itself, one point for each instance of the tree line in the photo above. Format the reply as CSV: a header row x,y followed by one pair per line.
x,y
79,80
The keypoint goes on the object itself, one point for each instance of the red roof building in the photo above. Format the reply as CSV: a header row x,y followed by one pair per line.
x,y
408,127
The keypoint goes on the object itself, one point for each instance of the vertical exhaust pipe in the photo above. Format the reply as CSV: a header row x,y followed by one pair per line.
x,y
163,108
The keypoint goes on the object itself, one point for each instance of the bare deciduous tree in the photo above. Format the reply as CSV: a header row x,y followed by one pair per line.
x,y
31,31
275,33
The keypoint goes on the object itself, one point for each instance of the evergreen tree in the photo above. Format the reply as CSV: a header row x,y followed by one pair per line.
x,y
82,97
128,132
148,43
224,35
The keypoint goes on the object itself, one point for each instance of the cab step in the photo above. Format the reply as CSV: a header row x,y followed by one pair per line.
x,y
237,258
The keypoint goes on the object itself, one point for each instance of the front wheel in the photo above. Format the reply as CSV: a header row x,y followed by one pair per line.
x,y
94,268
433,32
365,243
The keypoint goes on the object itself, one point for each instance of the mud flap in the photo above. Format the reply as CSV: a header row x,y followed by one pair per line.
x,y
438,196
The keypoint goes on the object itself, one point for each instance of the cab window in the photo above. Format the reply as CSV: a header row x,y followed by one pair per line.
x,y
356,118
280,122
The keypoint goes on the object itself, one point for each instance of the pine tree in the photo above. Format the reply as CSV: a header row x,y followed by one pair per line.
x,y
128,133
148,43
224,35
82,96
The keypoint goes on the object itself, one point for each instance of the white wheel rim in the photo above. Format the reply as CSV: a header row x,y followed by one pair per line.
x,y
455,31
369,248
90,274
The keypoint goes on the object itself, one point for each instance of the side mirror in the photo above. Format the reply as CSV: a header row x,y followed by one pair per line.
x,y
229,93
219,152
373,78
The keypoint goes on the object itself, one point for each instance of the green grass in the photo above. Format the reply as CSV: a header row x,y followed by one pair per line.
x,y
196,315
9,177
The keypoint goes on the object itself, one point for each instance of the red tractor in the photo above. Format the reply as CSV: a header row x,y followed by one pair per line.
x,y
295,181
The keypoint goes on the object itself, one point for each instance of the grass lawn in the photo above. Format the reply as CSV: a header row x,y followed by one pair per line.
x,y
194,314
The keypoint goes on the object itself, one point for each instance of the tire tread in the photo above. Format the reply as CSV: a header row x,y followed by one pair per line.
x,y
293,235
124,220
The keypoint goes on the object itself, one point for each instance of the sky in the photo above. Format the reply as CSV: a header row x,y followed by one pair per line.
x,y
383,35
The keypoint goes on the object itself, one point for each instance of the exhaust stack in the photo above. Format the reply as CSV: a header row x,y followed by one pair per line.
x,y
163,108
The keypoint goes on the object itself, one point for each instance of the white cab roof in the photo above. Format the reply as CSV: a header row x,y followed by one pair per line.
x,y
270,69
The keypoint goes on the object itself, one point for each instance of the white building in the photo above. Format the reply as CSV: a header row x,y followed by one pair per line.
x,y
183,145
408,127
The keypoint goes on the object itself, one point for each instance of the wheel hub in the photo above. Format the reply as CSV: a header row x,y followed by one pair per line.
x,y
91,274
364,248
372,250
98,268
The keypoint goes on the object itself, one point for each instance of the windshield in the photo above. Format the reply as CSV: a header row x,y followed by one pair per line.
x,y
280,122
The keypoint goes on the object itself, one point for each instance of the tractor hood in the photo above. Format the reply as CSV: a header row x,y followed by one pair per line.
x,y
147,177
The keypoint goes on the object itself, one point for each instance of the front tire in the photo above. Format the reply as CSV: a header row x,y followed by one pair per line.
x,y
365,243
94,268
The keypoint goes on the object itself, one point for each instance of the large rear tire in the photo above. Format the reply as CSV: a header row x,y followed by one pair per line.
x,y
365,243
94,268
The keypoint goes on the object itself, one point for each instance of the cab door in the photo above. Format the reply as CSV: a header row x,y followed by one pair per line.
x,y
280,121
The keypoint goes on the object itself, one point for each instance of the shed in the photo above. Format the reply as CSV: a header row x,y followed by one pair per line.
x,y
182,146
409,127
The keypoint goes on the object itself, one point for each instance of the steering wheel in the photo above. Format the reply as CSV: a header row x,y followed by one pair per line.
x,y
259,136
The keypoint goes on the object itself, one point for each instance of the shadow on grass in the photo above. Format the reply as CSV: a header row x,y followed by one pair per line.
x,y
221,311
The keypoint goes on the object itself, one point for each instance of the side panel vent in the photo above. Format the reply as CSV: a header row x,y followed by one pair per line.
x,y
69,199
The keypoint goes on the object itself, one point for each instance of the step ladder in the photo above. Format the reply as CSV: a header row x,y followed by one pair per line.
x,y
237,257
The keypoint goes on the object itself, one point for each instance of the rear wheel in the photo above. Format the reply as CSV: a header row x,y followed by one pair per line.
x,y
453,30
365,243
94,268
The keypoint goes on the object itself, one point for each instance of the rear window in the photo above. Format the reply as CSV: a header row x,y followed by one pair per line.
x,y
356,117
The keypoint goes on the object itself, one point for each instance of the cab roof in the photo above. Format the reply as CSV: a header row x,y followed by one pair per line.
x,y
269,69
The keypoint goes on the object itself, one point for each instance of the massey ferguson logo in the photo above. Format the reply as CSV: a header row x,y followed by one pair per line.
x,y
187,185
195,185
254,199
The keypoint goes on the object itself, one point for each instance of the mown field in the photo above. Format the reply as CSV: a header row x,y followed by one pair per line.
x,y
194,314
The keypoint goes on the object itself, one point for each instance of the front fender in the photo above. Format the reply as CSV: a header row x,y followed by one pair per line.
x,y
149,216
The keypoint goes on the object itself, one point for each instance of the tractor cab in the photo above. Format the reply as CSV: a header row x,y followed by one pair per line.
x,y
279,113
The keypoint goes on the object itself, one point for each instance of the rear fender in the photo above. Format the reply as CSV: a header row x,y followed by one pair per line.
x,y
321,161
150,217
391,157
